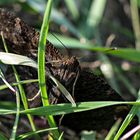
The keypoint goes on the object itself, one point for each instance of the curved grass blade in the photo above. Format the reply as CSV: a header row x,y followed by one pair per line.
x,y
30,134
2,87
14,130
128,54
15,126
61,109
15,59
41,64
24,101
112,132
134,110
61,135
63,90
22,92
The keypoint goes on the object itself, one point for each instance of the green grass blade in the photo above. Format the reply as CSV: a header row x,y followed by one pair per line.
x,y
67,108
41,64
96,13
128,54
135,21
71,4
14,130
112,132
21,89
60,109
24,99
134,110
7,105
61,136
37,5
30,134
2,137
136,136
41,54
6,83
7,111
20,60
2,87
